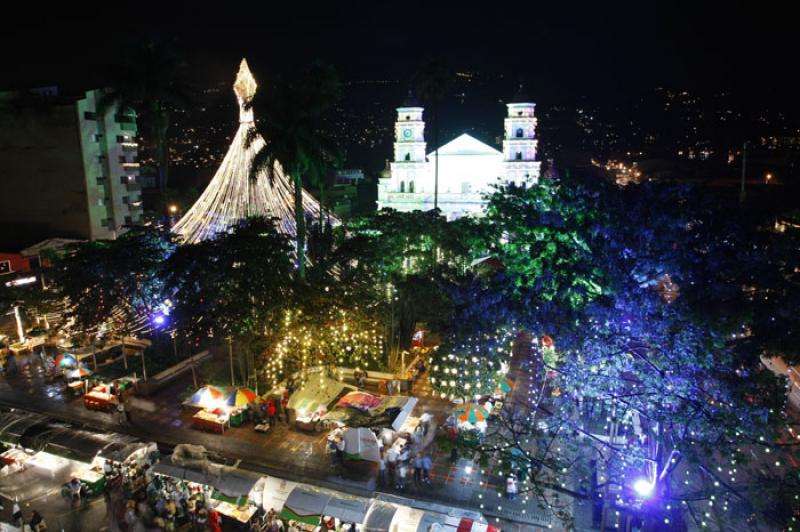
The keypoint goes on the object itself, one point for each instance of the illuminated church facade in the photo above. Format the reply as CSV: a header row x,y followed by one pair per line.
x,y
468,168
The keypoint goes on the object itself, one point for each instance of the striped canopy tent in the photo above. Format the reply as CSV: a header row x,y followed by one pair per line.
x,y
208,397
471,413
65,360
78,373
504,385
240,397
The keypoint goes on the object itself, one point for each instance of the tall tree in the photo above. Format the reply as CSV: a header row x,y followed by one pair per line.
x,y
235,285
151,81
291,111
433,81
114,281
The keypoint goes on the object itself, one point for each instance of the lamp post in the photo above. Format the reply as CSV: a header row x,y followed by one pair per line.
x,y
230,356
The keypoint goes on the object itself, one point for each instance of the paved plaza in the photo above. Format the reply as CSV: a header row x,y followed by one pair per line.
x,y
284,452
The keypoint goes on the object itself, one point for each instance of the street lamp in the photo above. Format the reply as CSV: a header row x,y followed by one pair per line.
x,y
173,209
643,488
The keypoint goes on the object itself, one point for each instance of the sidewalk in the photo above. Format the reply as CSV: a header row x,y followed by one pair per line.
x,y
288,453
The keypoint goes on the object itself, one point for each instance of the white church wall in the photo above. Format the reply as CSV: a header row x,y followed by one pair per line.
x,y
465,174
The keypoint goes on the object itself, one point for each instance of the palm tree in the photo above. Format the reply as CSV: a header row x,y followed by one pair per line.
x,y
290,119
150,81
433,81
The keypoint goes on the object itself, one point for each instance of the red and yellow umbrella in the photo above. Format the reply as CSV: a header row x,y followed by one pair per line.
x,y
241,397
470,412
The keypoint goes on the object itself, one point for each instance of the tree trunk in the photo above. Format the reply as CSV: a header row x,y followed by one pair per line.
x,y
300,221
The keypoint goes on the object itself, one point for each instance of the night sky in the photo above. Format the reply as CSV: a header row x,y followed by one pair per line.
x,y
559,48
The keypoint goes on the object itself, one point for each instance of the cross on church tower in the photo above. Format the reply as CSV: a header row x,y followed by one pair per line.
x,y
519,144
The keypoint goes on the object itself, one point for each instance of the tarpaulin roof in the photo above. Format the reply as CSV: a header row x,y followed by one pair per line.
x,y
379,518
347,509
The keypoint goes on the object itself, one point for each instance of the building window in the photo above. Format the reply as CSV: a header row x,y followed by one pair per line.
x,y
128,220
402,186
411,187
519,113
123,179
97,137
408,156
408,117
124,200
101,202
104,222
519,156
520,133
88,115
101,180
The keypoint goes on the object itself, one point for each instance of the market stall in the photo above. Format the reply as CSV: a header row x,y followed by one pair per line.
x,y
275,492
215,420
100,398
408,519
13,461
306,506
344,509
310,403
361,444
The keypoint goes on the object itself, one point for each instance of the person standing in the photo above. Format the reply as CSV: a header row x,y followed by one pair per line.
x,y
511,487
271,412
402,471
37,523
123,417
391,462
382,471
16,514
418,468
285,407
427,464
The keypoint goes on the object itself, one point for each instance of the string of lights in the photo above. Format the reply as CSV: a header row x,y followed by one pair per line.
x,y
232,194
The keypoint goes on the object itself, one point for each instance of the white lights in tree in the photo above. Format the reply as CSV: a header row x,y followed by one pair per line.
x,y
232,195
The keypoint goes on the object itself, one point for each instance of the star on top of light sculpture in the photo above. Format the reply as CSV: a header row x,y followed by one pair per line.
x,y
245,84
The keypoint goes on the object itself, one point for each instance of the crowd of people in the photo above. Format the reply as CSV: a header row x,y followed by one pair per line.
x,y
413,458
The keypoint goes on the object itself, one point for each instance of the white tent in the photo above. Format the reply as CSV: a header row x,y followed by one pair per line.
x,y
408,519
276,491
404,413
362,443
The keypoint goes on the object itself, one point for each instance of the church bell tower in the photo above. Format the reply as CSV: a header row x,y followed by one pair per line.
x,y
409,163
519,144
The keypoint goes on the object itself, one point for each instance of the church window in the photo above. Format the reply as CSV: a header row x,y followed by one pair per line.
x,y
402,186
519,113
519,155
410,187
520,133
408,117
408,156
